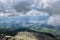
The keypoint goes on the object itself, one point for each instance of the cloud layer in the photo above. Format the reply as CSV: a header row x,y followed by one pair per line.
x,y
50,6
30,8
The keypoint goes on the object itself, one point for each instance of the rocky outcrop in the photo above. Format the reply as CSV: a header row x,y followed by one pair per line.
x,y
25,34
28,36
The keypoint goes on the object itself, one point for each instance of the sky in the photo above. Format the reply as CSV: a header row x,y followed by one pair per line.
x,y
48,8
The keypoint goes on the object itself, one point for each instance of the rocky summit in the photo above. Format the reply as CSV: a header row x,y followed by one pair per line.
x,y
27,34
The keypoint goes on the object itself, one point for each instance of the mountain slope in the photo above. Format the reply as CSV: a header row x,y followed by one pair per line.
x,y
27,34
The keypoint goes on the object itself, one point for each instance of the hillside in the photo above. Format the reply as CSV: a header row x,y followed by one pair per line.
x,y
26,34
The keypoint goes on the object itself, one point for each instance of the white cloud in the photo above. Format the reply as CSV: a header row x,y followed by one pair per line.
x,y
35,12
49,6
37,7
54,20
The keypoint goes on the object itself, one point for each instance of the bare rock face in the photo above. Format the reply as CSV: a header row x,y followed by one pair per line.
x,y
25,36
28,36
21,36
7,38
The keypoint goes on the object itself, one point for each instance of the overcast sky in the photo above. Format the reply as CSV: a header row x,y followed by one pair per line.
x,y
32,7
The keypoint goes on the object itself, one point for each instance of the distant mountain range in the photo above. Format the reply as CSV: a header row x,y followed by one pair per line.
x,y
24,21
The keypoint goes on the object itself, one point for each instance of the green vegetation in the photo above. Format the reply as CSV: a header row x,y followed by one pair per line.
x,y
48,30
44,29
